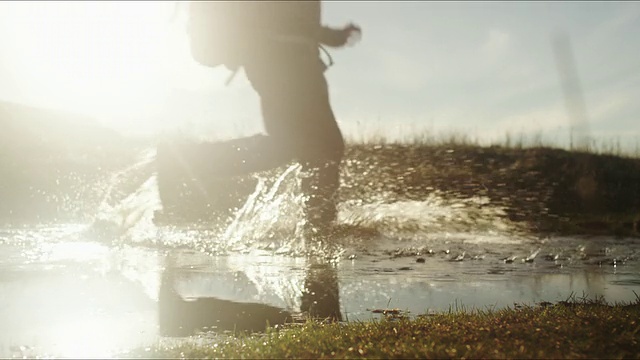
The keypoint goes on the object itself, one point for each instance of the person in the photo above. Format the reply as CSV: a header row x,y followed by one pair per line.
x,y
286,70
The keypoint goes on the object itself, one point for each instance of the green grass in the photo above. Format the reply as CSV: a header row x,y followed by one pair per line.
x,y
575,329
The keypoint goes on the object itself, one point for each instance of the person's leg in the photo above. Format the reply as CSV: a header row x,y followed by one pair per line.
x,y
320,187
196,179
223,159
321,293
323,158
298,118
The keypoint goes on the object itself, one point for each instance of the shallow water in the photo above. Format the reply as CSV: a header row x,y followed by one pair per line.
x,y
121,282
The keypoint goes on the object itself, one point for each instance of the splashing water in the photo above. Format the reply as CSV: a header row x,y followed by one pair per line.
x,y
270,214
133,215
434,215
271,218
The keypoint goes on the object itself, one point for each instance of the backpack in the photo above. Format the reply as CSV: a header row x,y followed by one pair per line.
x,y
225,32
217,32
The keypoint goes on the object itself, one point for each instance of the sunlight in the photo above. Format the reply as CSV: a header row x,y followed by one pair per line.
x,y
89,337
115,60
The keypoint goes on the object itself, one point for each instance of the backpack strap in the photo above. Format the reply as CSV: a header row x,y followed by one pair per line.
x,y
326,52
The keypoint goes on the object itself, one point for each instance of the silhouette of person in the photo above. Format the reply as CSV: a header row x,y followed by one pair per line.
x,y
285,68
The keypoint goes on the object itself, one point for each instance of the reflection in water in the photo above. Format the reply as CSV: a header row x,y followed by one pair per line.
x,y
321,295
183,317
230,307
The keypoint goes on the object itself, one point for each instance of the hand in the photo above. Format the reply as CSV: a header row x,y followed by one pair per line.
x,y
340,37
353,34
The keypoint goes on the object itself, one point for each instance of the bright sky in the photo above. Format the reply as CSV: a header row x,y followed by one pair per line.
x,y
477,68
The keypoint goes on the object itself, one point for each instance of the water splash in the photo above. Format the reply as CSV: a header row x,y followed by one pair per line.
x,y
434,214
270,218
133,214
118,180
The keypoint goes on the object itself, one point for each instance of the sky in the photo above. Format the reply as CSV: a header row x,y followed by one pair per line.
x,y
472,68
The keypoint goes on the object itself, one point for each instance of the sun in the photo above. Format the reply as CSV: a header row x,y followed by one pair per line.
x,y
110,59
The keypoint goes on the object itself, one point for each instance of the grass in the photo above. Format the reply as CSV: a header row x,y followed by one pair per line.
x,y
568,329
380,133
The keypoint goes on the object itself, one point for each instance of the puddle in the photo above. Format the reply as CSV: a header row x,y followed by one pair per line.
x,y
86,299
